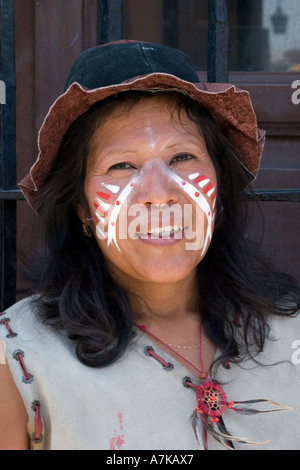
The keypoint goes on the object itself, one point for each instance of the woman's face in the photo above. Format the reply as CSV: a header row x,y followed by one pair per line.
x,y
151,191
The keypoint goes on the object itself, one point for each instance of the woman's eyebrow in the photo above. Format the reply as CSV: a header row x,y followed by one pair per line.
x,y
106,155
113,152
194,141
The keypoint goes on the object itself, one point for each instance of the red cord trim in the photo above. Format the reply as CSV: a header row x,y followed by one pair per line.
x,y
27,378
189,383
150,352
203,375
11,334
37,436
18,355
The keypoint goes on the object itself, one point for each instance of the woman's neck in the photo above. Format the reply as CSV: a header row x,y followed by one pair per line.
x,y
164,303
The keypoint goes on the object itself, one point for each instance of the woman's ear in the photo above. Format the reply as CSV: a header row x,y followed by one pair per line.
x,y
83,213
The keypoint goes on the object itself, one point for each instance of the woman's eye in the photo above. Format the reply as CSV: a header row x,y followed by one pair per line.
x,y
182,157
121,166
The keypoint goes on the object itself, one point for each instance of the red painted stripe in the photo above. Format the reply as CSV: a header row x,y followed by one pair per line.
x,y
101,211
207,188
199,178
103,195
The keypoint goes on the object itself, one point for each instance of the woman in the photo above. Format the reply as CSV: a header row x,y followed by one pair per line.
x,y
154,323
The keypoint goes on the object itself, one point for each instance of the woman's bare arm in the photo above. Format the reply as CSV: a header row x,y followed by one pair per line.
x,y
13,414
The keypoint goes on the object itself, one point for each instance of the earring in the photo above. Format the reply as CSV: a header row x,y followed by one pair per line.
x,y
86,230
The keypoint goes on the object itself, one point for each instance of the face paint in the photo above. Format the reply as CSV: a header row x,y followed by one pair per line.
x,y
205,186
112,187
107,213
102,210
122,198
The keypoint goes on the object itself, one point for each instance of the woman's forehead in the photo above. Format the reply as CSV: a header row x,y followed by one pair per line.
x,y
151,119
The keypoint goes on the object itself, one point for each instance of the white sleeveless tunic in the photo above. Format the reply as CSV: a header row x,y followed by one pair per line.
x,y
136,404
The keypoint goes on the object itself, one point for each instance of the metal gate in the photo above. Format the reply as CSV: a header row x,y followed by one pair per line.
x,y
110,26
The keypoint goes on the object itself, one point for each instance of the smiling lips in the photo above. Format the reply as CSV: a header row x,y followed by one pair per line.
x,y
161,232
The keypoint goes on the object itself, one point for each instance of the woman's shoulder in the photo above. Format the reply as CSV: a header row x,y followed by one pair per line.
x,y
25,304
284,337
20,319
22,328
284,327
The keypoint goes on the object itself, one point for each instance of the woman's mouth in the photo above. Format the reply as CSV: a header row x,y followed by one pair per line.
x,y
167,235
162,232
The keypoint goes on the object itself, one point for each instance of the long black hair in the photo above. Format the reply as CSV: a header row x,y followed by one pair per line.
x,y
237,288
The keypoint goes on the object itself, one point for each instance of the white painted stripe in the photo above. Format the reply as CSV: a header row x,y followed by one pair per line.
x,y
104,205
193,176
111,187
203,183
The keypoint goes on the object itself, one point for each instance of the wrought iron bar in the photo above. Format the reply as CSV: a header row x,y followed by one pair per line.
x,y
218,42
170,23
7,155
110,19
275,195
11,195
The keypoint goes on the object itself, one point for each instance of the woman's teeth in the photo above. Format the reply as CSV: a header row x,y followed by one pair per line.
x,y
163,231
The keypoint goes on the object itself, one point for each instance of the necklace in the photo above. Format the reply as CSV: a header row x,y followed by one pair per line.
x,y
186,347
201,372
210,397
183,347
171,344
212,402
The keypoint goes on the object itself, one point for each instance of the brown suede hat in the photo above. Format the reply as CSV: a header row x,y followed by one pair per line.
x,y
133,65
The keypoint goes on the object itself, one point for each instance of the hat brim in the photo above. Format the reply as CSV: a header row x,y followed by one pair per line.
x,y
230,107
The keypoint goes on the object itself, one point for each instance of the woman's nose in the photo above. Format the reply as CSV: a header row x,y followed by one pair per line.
x,y
156,186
